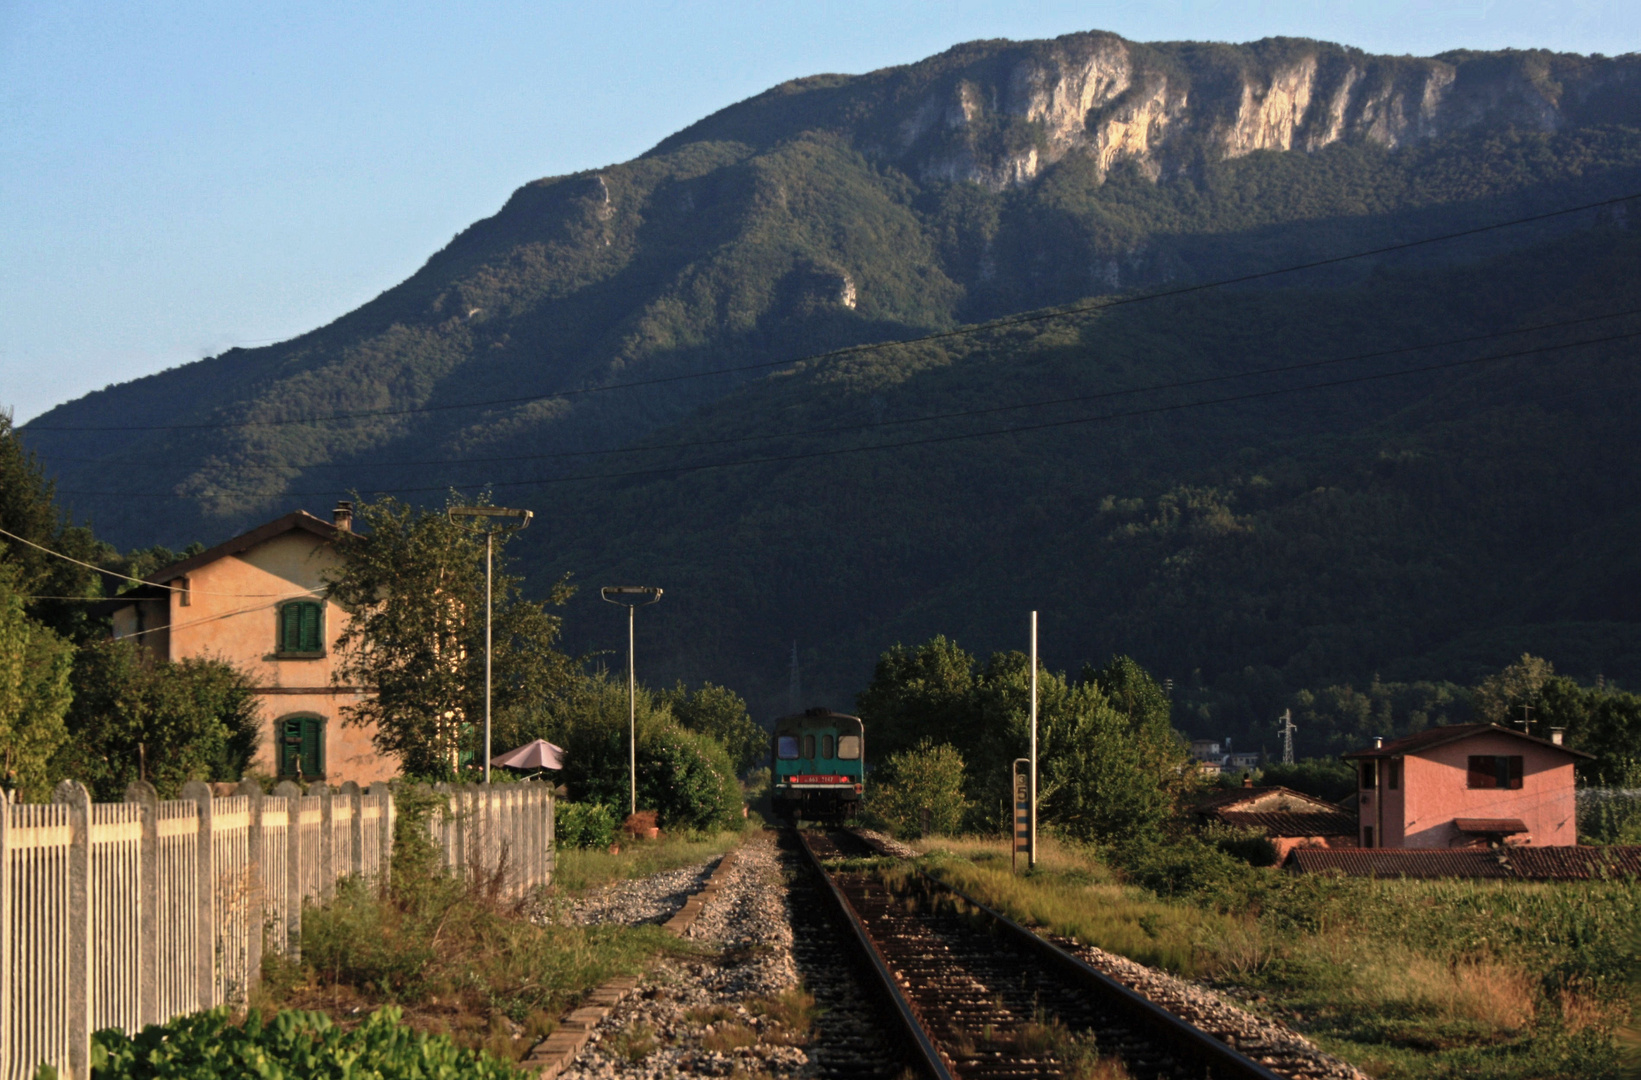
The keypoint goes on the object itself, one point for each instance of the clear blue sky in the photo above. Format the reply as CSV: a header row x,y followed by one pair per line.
x,y
176,178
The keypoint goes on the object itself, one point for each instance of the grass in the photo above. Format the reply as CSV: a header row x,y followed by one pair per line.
x,y
460,960
1453,978
580,869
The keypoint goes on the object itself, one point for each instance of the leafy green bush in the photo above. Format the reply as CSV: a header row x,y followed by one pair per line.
x,y
292,1045
1251,845
926,779
584,825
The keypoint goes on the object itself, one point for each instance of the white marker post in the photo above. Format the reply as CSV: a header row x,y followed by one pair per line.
x,y
1031,854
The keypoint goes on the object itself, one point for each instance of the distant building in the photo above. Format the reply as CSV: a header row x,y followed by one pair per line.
x,y
1466,785
1212,756
257,601
1289,818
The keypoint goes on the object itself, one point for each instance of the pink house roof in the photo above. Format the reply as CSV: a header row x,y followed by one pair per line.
x,y
1440,736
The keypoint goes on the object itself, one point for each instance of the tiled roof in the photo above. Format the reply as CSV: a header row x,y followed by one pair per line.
x,y
1278,823
1490,825
1400,862
1517,864
1228,799
1439,736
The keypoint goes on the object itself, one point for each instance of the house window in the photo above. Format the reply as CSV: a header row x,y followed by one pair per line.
x,y
300,628
826,746
1495,771
1393,775
809,747
1370,776
786,747
302,746
849,747
1367,835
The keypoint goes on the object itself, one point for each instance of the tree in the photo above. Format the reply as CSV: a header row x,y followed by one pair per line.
x,y
34,694
51,587
920,691
137,718
414,589
927,779
1499,698
721,713
686,777
1598,720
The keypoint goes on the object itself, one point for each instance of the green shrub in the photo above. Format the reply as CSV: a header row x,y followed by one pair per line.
x,y
291,1046
584,825
925,780
1251,845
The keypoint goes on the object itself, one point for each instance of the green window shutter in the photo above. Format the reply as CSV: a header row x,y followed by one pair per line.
x,y
310,627
299,629
302,737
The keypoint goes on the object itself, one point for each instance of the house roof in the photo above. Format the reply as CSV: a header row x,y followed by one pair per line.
x,y
1517,864
1229,799
299,520
1277,823
1440,736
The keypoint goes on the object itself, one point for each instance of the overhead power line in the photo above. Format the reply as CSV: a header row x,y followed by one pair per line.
x,y
852,350
683,469
930,417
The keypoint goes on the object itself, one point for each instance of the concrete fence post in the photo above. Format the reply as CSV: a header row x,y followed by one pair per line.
x,y
327,848
147,800
356,827
384,834
205,915
78,1011
7,915
292,885
256,902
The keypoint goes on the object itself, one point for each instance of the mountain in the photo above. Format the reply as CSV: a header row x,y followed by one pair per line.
x,y
994,179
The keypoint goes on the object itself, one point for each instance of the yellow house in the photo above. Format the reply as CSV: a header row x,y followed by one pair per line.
x,y
257,601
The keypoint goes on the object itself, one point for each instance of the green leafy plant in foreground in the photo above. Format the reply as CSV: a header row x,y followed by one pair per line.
x,y
292,1044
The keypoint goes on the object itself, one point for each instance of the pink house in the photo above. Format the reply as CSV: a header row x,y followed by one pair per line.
x,y
1467,785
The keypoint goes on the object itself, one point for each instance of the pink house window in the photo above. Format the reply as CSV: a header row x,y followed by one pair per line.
x,y
1494,771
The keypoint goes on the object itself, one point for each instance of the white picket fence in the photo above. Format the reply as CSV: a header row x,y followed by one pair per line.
x,y
126,914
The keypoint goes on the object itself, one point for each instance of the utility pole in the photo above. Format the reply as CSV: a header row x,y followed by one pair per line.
x,y
609,592
1286,731
489,514
1526,723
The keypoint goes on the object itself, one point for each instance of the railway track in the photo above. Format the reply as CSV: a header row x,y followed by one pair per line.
x,y
980,997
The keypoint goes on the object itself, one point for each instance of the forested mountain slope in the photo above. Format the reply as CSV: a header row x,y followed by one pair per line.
x,y
995,177
1401,525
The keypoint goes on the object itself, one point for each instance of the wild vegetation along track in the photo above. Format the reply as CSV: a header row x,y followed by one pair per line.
x,y
986,999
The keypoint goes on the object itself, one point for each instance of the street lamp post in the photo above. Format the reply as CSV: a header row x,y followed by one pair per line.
x,y
487,515
612,593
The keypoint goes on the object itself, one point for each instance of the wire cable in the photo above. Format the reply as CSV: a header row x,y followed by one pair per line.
x,y
116,573
929,417
851,350
678,470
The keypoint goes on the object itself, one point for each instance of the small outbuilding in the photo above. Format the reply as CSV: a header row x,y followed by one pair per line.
x,y
1289,818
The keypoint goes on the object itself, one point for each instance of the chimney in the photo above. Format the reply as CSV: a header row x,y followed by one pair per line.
x,y
1378,742
342,516
1247,780
1556,734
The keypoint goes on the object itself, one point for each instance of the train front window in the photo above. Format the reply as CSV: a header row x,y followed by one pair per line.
x,y
849,747
809,747
786,747
826,746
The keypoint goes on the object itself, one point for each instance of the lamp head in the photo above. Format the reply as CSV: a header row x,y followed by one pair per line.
x,y
630,595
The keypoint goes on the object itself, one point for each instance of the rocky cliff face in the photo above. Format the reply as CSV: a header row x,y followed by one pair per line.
x,y
999,113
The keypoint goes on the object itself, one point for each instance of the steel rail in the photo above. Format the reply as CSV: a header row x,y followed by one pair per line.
x,y
1182,1037
923,1049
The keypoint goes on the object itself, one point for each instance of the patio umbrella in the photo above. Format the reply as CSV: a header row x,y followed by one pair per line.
x,y
539,754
